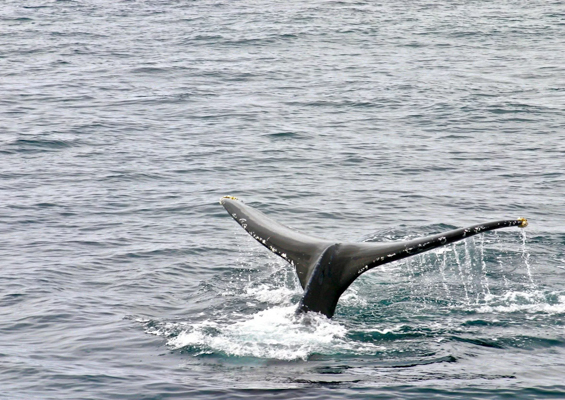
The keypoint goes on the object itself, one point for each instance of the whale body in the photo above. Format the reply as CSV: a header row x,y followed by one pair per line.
x,y
325,268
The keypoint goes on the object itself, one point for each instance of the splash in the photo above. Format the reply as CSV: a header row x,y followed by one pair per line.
x,y
484,264
273,333
462,276
268,294
531,302
526,259
473,272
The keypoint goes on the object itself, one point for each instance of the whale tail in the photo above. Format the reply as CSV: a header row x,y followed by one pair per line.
x,y
325,269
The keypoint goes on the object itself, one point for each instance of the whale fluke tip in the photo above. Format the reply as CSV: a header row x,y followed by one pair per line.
x,y
524,222
227,197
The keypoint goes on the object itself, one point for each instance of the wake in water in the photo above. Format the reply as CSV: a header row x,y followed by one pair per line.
x,y
399,310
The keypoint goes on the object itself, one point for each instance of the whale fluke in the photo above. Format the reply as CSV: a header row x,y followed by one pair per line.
x,y
326,268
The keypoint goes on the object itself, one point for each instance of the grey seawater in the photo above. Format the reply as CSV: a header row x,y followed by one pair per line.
x,y
122,123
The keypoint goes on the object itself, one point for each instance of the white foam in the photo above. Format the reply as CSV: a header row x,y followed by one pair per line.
x,y
518,301
273,333
352,298
269,294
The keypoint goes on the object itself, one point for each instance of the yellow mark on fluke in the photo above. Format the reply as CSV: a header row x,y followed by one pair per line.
x,y
228,197
524,222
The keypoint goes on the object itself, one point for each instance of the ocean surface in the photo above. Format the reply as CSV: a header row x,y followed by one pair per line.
x,y
122,123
